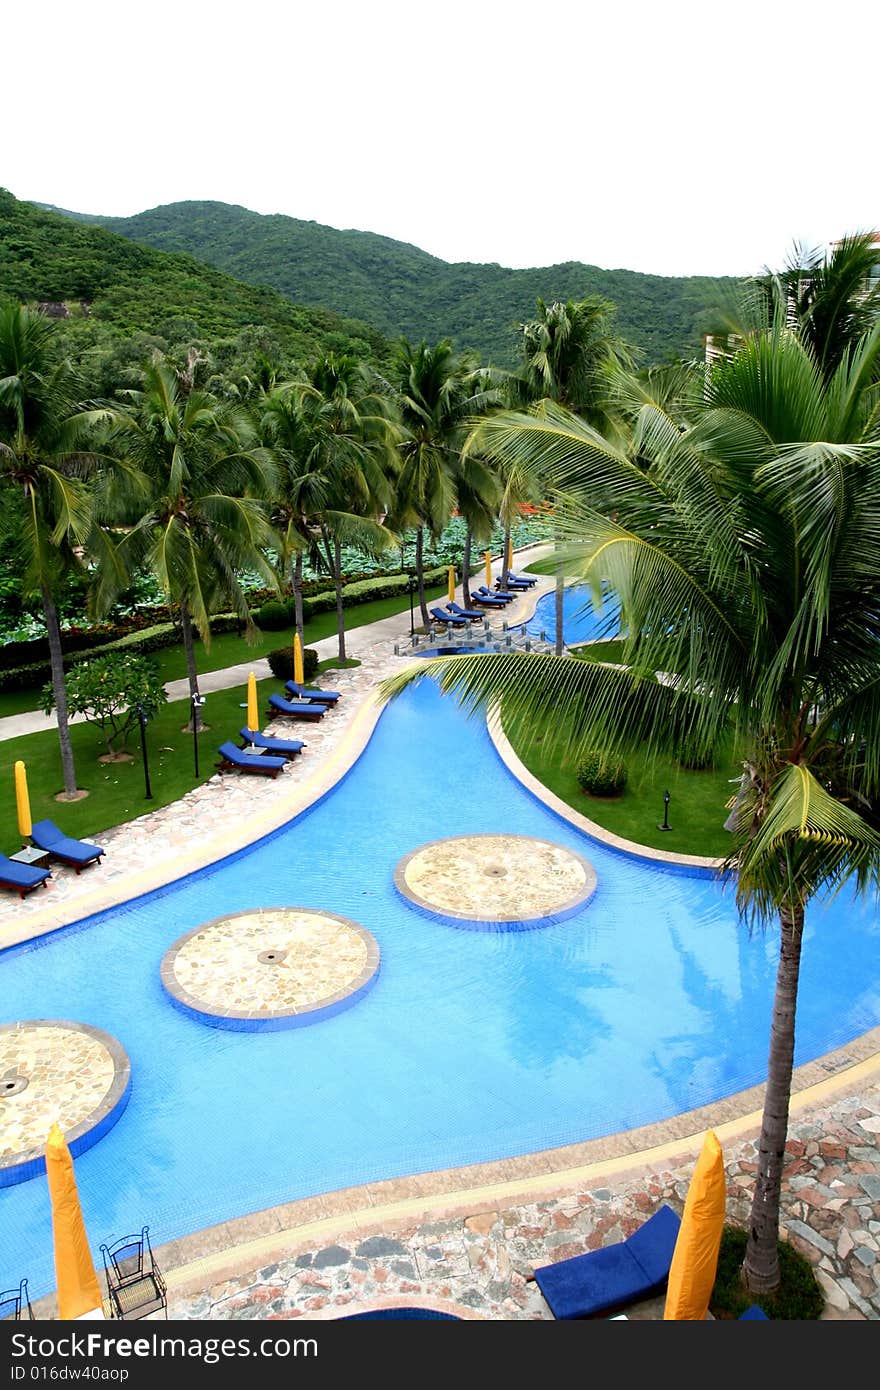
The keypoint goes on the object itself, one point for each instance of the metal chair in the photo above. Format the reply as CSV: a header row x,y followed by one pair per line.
x,y
15,1304
135,1286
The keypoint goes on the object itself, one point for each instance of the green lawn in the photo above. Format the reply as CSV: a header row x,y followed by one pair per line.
x,y
117,790
227,649
697,809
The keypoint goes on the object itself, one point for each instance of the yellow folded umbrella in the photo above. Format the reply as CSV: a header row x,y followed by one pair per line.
x,y
452,583
253,714
298,674
488,569
77,1282
509,553
22,800
695,1258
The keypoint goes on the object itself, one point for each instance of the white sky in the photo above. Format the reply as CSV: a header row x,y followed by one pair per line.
x,y
677,138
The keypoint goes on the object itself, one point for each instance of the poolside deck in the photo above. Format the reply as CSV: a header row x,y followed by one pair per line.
x,y
471,1236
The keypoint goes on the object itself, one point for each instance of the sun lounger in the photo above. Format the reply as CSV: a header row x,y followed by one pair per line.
x,y
528,579
453,619
470,613
489,600
232,758
78,853
22,877
485,592
281,747
296,709
311,694
612,1275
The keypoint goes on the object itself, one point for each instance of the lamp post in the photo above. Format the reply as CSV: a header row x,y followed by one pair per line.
x,y
410,589
142,720
665,825
197,702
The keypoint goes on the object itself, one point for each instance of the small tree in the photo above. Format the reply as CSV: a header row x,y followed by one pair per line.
x,y
107,690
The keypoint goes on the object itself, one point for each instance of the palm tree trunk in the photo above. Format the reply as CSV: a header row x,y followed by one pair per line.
x,y
337,579
189,649
761,1264
420,574
53,630
466,570
298,596
558,607
504,567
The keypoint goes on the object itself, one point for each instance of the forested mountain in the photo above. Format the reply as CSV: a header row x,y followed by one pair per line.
x,y
403,290
108,282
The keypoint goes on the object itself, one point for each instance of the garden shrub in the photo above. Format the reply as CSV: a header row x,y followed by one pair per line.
x,y
281,663
106,690
600,775
274,616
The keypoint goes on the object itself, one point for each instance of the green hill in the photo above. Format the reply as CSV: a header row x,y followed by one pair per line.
x,y
403,290
132,288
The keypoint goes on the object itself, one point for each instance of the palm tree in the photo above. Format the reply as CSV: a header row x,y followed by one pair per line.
x,y
745,559
439,391
199,520
39,432
346,461
570,356
300,489
830,298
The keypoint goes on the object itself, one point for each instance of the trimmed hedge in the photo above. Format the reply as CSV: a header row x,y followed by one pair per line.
x,y
276,615
281,663
151,639
600,775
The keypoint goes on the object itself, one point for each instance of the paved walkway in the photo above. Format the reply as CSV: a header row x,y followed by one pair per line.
x,y
471,1237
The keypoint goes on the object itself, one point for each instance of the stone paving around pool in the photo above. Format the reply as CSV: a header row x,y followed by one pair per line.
x,y
477,1256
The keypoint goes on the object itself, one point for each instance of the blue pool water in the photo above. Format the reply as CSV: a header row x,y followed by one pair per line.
x,y
472,1045
581,621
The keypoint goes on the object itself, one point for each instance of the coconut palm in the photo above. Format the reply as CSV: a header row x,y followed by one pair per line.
x,y
300,485
745,560
439,391
346,458
829,297
198,521
39,456
571,356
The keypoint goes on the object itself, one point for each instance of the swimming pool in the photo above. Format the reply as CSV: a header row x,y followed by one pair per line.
x,y
471,1045
581,622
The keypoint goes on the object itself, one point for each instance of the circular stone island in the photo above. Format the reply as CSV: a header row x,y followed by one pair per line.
x,y
496,882
52,1070
271,967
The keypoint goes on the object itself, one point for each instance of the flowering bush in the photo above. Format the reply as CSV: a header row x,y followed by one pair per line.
x,y
107,690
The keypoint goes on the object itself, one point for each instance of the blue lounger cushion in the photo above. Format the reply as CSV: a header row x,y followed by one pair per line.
x,y
469,613
600,1279
754,1314
249,762
309,693
297,709
526,579
21,877
489,601
485,592
46,835
284,747
455,619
